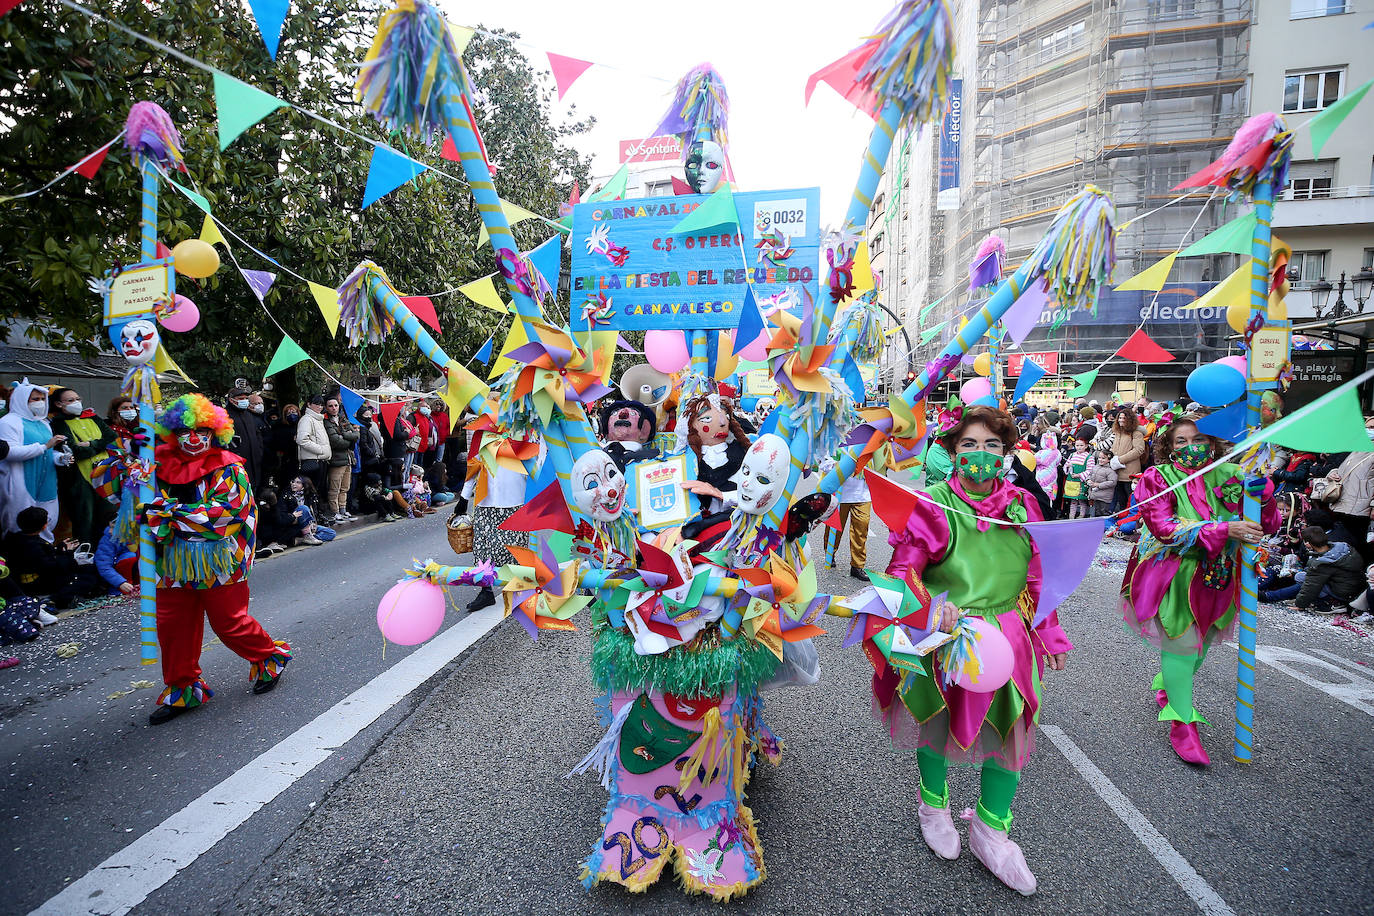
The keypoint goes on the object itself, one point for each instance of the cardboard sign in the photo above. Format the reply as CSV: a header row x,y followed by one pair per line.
x,y
135,289
660,499
1269,350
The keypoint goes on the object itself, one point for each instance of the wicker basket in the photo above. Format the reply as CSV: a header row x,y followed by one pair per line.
x,y
460,532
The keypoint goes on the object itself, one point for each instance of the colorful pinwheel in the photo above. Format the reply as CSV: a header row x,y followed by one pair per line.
x,y
775,246
553,373
541,594
783,604
597,310
896,621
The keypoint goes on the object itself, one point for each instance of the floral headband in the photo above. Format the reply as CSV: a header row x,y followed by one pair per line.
x,y
950,416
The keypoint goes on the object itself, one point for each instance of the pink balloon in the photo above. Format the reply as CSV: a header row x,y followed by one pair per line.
x,y
756,349
1235,362
666,350
994,652
411,612
974,389
183,316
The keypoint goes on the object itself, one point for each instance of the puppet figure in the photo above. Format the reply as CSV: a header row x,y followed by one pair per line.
x,y
628,429
719,443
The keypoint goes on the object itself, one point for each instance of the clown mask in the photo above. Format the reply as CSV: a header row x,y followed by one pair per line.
x,y
194,441
626,424
138,341
705,166
598,487
763,475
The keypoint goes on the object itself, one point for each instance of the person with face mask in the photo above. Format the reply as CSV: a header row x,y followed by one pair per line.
x,y
991,571
284,444
28,472
122,417
204,521
248,434
1182,583
88,437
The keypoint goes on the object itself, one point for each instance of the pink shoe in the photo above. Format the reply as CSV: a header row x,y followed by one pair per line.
x,y
937,829
1188,743
1162,698
1001,856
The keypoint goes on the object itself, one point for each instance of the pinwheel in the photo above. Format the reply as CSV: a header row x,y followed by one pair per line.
x,y
597,310
896,621
906,427
539,592
783,604
775,247
551,372
493,448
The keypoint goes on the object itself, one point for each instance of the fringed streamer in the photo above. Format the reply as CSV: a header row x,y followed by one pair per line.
x,y
365,321
826,418
603,757
399,79
708,666
1183,539
700,105
863,328
709,754
1078,253
517,414
150,134
140,384
270,668
912,59
190,697
1238,169
960,655
198,561
126,521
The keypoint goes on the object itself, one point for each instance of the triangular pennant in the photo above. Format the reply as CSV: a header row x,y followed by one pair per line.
x,y
893,502
515,338
615,188
387,172
514,214
209,232
422,307
1025,312
546,512
1329,425
680,187
462,391
450,150
484,293
288,354
350,401
1235,288
1152,278
862,272
238,106
750,322
389,410
484,355
1140,348
1031,372
194,196
843,76
259,281
716,210
328,301
7,5
163,363
545,475
1083,383
162,250
984,271
270,15
91,164
1207,175
461,36
929,333
566,70
1234,237
1067,550
548,260
1227,423
1325,123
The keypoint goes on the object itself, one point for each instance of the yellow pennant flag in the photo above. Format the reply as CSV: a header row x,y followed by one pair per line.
x,y
459,391
514,214
1235,288
328,301
1151,278
863,272
515,338
210,234
163,362
461,36
483,292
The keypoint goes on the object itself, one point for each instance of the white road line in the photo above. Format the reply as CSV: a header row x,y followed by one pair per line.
x,y
1193,884
1352,691
1347,663
125,879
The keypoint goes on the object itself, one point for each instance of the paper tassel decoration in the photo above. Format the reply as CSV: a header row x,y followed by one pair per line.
x,y
1260,151
387,171
1078,253
566,70
1139,348
401,74
862,326
363,320
911,61
700,108
988,263
150,134
270,16
238,106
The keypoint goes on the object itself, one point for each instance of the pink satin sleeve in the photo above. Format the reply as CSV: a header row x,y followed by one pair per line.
x,y
923,541
1052,636
1269,510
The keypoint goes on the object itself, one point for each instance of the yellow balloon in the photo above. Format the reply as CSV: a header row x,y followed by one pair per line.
x,y
1238,312
196,259
982,364
726,362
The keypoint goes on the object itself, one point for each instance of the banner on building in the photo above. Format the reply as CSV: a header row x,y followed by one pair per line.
x,y
951,128
651,149
1049,361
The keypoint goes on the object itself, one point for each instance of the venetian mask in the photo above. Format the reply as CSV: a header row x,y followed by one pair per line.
x,y
598,487
138,341
705,166
762,477
193,441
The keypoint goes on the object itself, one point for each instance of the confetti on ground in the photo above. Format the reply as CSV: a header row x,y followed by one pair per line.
x,y
67,650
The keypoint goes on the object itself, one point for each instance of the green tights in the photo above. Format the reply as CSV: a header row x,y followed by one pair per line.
x,y
996,790
1175,678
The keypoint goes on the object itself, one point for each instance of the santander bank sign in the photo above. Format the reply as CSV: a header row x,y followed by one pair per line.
x,y
651,149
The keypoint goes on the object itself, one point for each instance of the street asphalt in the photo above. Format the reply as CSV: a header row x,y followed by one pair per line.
x,y
455,801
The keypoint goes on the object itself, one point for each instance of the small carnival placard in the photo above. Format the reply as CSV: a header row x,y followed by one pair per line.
x,y
659,496
1269,351
135,289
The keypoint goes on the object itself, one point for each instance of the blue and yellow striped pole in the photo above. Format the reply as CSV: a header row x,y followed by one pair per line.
x,y
1248,630
147,555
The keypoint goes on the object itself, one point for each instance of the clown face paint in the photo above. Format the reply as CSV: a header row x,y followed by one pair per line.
x,y
598,487
138,341
763,475
194,441
705,166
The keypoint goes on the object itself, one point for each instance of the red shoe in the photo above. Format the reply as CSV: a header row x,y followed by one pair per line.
x,y
1188,743
1161,698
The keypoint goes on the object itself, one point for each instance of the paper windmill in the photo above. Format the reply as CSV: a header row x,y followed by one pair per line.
x,y
796,364
896,621
905,426
492,448
775,247
783,605
540,593
597,310
666,596
555,372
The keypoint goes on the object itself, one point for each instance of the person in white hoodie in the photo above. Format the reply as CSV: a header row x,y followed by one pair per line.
x,y
312,443
28,473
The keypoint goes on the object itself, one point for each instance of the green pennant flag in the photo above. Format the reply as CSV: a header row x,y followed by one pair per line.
x,y
196,198
288,354
615,187
929,333
1085,383
1235,237
715,211
1324,124
238,106
1331,424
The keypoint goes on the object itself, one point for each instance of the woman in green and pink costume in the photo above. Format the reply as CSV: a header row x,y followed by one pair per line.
x,y
1182,584
992,571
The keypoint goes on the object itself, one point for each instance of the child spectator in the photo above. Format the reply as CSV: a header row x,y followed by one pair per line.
x,y
389,504
47,569
417,492
116,563
301,507
1076,468
1333,578
1101,484
21,617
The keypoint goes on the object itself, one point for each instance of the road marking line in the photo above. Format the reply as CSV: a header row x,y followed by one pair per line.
x,y
1354,692
125,879
1193,884
1348,663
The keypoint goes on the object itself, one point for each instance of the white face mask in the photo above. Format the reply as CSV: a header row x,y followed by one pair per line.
x,y
73,408
598,487
705,166
763,476
128,413
193,442
424,410
257,408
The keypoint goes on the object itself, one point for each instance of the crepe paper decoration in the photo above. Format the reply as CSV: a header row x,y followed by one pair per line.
x,y
547,511
1227,423
484,354
87,167
1330,117
150,135
259,281
566,70
288,354
387,172
1025,313
365,320
750,322
422,307
209,232
1067,550
548,260
1031,372
238,106
1233,237
699,110
1331,424
843,76
483,292
1078,253
350,401
1140,348
515,338
715,211
270,16
912,61
892,502
1152,278
328,302
194,196
1083,383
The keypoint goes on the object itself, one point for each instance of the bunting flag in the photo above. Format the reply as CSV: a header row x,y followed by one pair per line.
x,y
288,354
328,301
87,167
1235,288
1031,372
861,275
1329,425
750,322
7,5
1228,423
460,389
1083,382
164,364
209,232
615,188
483,292
716,210
449,152
390,410
548,260
270,15
843,76
985,270
514,214
515,338
1152,278
350,401
484,355
259,281
1025,312
1067,549
194,196
1234,237
566,70
387,172
892,502
238,106
1140,348
422,307
547,511
929,333
461,35
1330,117
162,251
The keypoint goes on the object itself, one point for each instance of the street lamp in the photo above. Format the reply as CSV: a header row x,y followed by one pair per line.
x,y
1361,284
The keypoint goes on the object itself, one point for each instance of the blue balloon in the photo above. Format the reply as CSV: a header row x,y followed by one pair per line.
x,y
1215,385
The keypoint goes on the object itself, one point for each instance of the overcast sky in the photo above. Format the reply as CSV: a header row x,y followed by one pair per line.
x,y
764,50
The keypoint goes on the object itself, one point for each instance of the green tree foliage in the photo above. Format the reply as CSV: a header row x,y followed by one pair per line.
x,y
290,186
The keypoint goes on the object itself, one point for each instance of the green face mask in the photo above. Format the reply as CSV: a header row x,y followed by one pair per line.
x,y
649,741
979,466
1192,457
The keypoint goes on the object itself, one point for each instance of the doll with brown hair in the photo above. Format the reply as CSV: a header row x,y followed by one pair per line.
x,y
719,442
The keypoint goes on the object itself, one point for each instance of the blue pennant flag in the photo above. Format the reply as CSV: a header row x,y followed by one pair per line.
x,y
1031,372
484,355
1228,423
547,259
750,322
350,400
270,15
387,172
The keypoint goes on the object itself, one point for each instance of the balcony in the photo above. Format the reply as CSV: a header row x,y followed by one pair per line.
x,y
1346,206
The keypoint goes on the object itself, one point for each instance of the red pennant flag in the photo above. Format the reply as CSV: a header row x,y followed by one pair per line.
x,y
893,502
833,521
681,187
7,5
546,512
1203,177
91,164
575,197
390,410
842,75
163,251
1139,348
423,308
450,152
566,70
